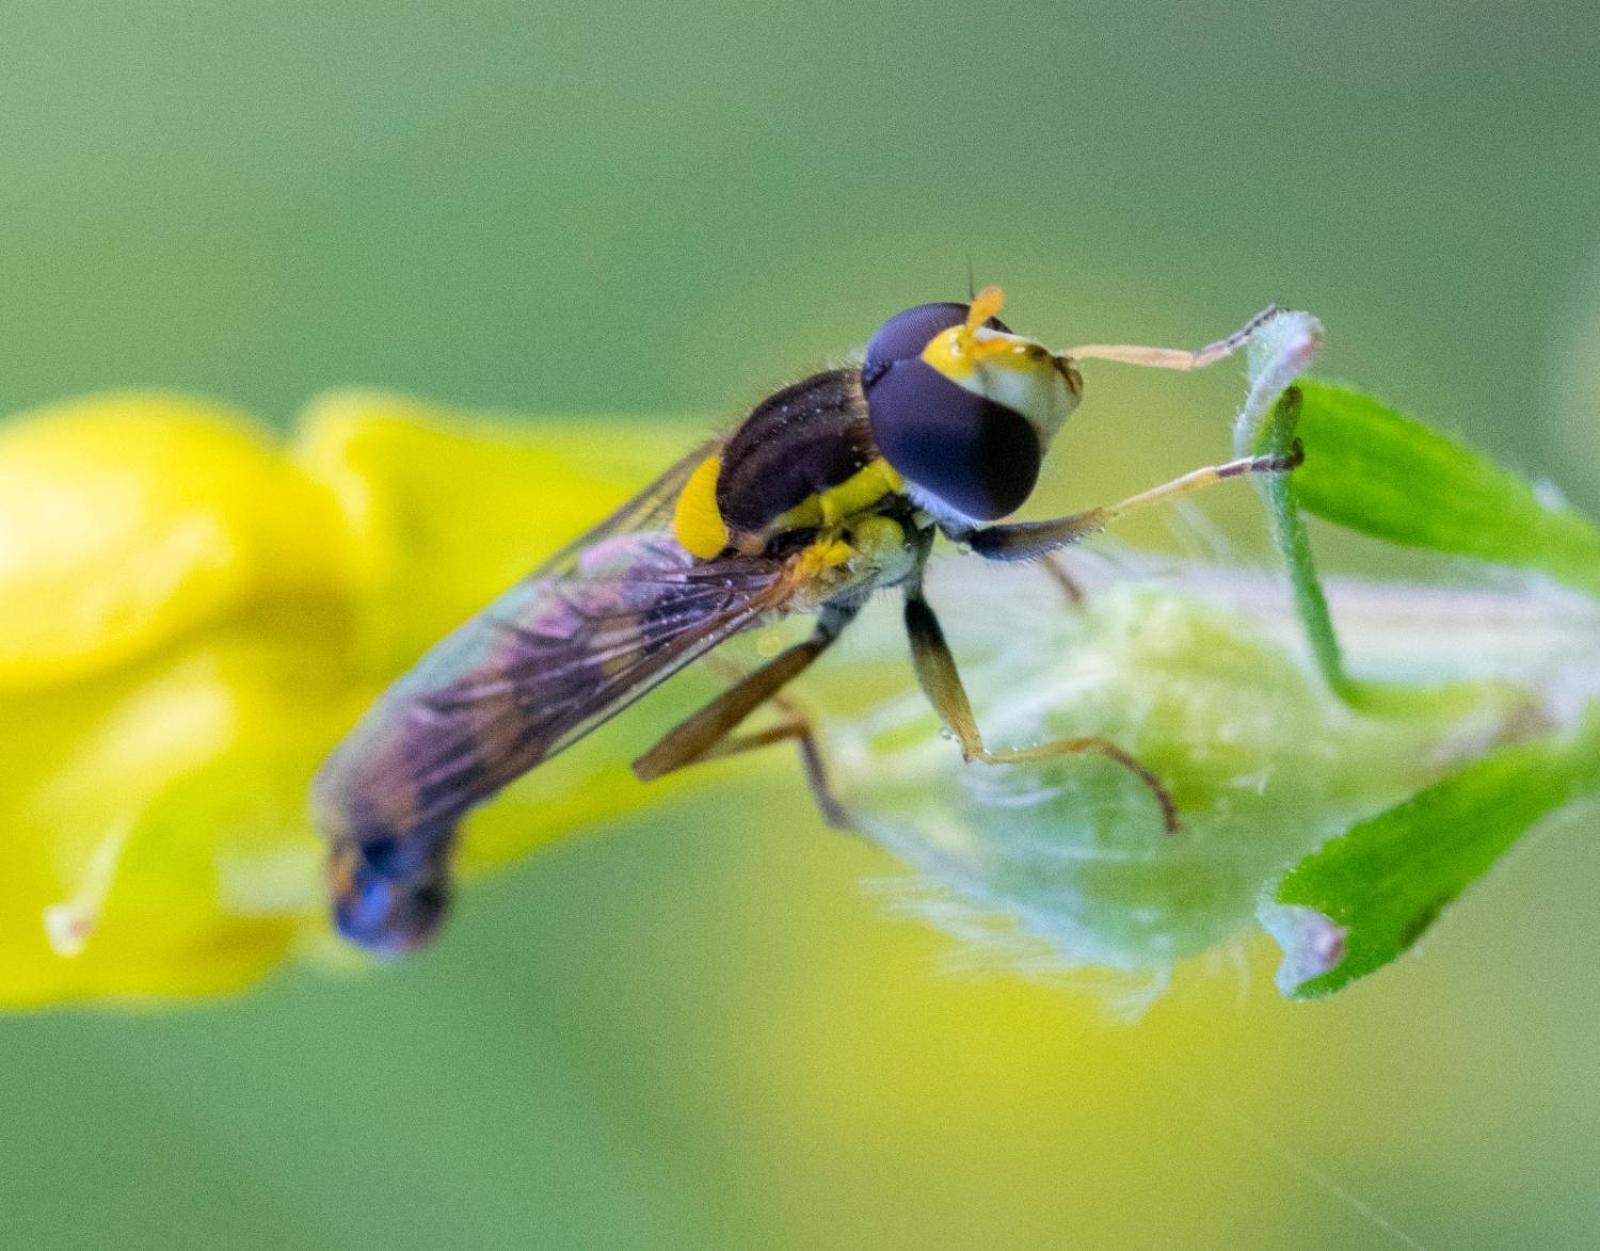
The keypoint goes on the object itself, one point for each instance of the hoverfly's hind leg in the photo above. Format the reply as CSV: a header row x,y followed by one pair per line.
x,y
1029,540
1174,358
941,681
795,725
1056,570
709,733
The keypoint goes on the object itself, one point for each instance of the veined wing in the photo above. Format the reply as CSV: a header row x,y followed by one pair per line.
x,y
650,510
600,623
552,659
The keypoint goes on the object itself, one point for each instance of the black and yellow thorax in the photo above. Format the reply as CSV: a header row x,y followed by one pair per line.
x,y
804,459
946,422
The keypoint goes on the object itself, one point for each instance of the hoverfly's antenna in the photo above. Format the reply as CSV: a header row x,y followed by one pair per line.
x,y
972,281
986,304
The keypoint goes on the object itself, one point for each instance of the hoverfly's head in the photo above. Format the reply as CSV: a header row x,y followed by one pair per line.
x,y
963,408
384,902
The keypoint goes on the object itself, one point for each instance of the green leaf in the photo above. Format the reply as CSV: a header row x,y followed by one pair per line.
x,y
1371,469
1361,899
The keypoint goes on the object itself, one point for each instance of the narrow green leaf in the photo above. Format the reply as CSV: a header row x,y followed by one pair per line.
x,y
1361,899
1371,469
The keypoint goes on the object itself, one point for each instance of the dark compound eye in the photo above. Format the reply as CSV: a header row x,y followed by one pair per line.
x,y
905,334
979,457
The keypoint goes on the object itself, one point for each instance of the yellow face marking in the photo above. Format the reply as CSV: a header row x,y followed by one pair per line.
x,y
855,494
961,351
1013,371
696,521
961,347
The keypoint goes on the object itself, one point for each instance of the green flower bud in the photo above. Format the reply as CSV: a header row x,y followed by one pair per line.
x,y
1065,861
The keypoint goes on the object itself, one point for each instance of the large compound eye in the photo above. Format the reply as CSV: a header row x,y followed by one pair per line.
x,y
979,457
905,334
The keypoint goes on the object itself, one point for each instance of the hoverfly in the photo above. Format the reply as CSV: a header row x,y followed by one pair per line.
x,y
824,492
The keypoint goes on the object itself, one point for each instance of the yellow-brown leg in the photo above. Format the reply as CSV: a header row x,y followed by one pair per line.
x,y
797,727
709,733
941,681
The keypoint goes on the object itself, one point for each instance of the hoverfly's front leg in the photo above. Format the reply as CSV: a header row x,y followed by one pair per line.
x,y
1029,540
941,681
1174,358
709,733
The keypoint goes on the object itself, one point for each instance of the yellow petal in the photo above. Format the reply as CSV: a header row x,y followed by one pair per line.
x,y
129,520
155,812
157,840
447,509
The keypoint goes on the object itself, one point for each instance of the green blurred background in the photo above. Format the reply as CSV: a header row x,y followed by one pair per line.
x,y
698,1031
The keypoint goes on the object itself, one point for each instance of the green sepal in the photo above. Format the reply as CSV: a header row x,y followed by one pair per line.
x,y
1362,899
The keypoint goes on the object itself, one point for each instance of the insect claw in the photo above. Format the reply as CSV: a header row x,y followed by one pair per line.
x,y
1286,463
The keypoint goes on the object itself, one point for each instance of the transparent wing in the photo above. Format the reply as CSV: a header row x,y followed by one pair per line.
x,y
555,657
649,510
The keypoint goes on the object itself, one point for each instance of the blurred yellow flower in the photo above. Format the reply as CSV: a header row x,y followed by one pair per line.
x,y
193,611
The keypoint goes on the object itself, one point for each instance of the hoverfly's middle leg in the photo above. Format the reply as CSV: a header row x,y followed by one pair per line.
x,y
941,682
709,733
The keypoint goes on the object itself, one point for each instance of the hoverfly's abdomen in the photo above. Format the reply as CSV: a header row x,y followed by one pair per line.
x,y
795,445
555,656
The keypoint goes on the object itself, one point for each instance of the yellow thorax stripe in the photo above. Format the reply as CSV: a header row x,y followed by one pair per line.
x,y
857,493
696,520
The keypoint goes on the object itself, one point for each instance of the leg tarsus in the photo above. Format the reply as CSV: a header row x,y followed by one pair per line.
x,y
941,681
1099,746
